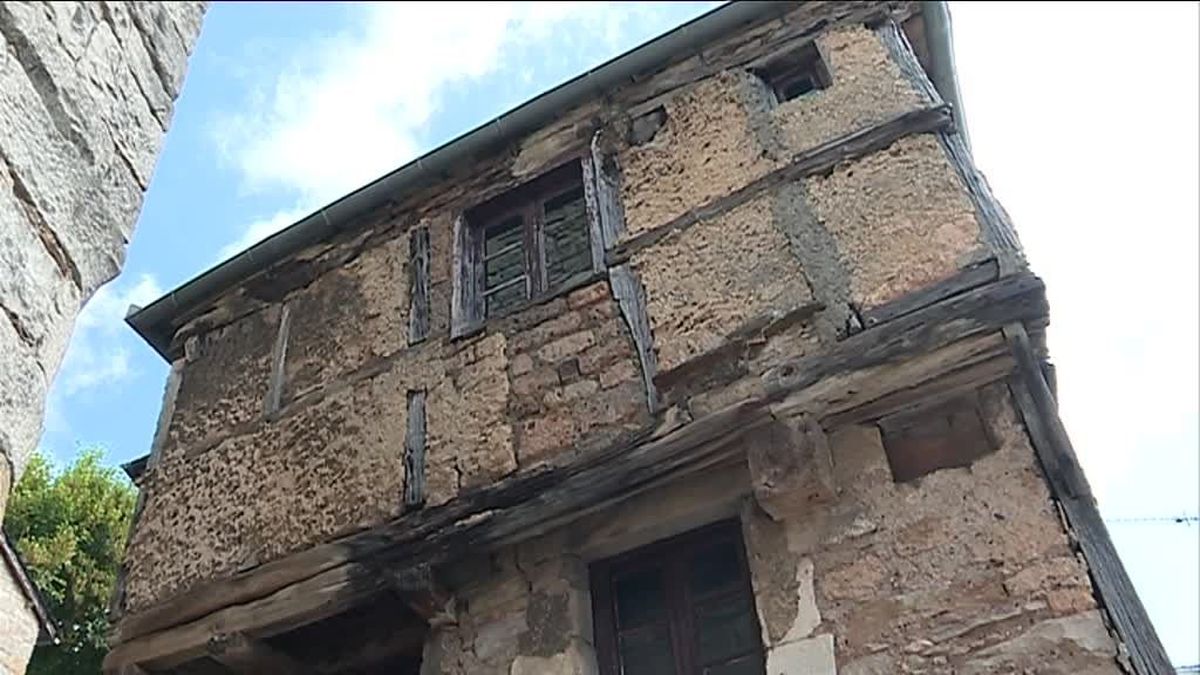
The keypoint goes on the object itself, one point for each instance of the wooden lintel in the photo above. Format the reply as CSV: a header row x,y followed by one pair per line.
x,y
241,654
991,367
423,594
1070,488
942,336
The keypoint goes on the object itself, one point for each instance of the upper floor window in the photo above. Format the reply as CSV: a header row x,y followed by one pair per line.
x,y
795,73
680,606
531,242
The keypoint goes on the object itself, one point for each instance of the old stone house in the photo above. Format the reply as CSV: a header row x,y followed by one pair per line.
x,y
720,358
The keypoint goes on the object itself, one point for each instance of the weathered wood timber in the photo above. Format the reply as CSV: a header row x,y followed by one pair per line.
x,y
942,336
1070,488
414,451
309,600
820,159
985,309
274,397
971,277
418,284
631,298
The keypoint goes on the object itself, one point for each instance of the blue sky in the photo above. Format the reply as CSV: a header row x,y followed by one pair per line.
x,y
288,106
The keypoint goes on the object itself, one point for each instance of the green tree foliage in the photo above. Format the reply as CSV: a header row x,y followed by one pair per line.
x,y
70,527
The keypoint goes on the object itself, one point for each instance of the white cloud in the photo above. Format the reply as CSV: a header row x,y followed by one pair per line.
x,y
95,357
359,102
261,229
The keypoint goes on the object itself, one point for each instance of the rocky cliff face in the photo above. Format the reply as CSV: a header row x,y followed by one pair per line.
x,y
86,94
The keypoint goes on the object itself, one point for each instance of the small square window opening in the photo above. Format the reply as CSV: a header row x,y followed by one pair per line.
x,y
796,73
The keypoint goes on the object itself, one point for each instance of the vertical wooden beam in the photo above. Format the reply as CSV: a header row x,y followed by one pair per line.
x,y
1070,487
466,303
242,655
592,201
631,298
414,451
418,284
611,216
278,361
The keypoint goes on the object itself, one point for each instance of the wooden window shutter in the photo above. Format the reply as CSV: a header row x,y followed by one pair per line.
x,y
603,194
466,303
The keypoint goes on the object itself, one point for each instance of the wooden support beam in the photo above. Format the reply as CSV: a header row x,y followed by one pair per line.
x,y
309,600
414,451
857,371
274,398
935,339
1070,488
972,277
418,284
241,654
631,299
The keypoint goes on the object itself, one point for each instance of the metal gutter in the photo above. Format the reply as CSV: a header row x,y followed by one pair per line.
x,y
155,322
939,36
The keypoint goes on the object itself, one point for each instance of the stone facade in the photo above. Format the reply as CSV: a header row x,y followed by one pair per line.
x,y
88,92
759,240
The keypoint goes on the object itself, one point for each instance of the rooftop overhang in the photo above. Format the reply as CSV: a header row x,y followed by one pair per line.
x,y
158,321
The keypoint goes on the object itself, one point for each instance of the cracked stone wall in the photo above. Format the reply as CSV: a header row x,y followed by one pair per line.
x,y
88,94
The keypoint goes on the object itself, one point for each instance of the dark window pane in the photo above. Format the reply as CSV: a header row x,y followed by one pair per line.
x,y
568,249
504,265
714,568
725,627
640,598
503,234
746,665
505,298
647,652
797,87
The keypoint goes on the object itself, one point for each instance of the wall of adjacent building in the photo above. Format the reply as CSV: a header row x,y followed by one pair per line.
x,y
88,93
18,625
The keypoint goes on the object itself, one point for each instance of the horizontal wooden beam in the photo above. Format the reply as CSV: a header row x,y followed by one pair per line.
x,y
820,159
1070,487
853,372
309,600
259,601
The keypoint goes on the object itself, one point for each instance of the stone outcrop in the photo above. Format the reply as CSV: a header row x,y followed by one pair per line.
x,y
88,91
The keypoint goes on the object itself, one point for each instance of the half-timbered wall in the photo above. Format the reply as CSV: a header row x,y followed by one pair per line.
x,y
341,389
